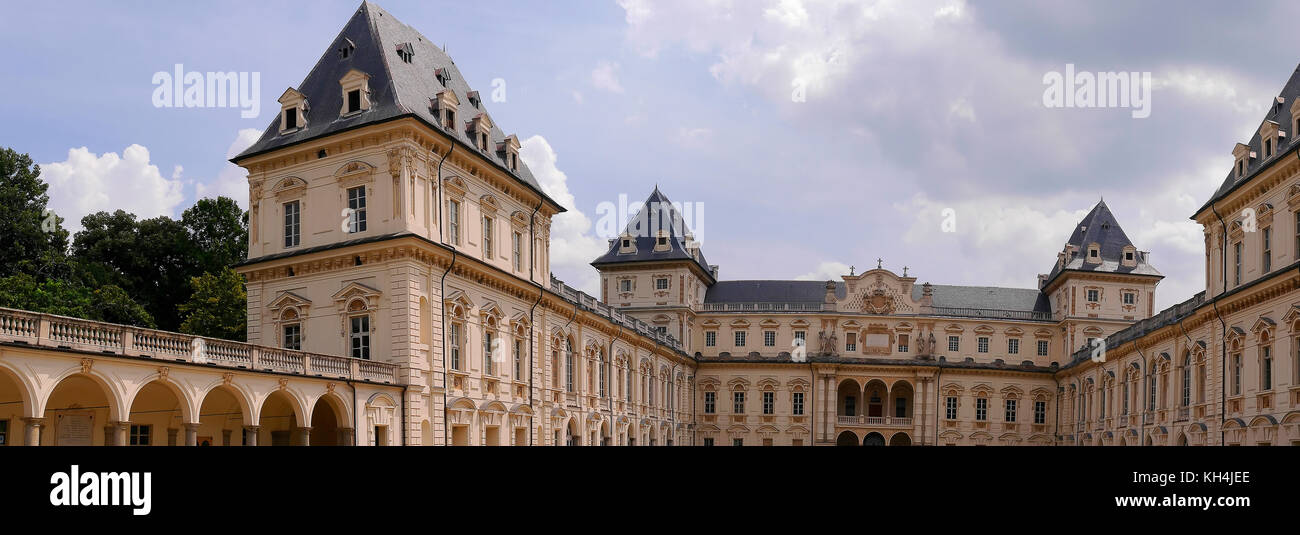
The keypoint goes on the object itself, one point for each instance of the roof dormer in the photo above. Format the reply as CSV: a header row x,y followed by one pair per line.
x,y
1094,253
1241,155
509,150
474,99
662,240
444,106
293,111
356,93
442,75
627,244
346,48
406,52
1269,135
480,130
1129,256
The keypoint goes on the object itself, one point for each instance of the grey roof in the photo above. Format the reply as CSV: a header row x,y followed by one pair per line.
x,y
656,213
1101,227
397,89
771,291
990,297
1279,113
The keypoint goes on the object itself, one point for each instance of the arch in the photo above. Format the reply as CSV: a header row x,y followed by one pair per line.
x,y
330,418
848,399
875,399
279,418
873,439
184,402
847,438
117,406
224,409
900,439
23,391
84,400
160,406
901,397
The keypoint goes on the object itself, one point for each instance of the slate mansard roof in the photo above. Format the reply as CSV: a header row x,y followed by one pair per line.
x,y
1280,113
1101,227
656,213
793,291
397,89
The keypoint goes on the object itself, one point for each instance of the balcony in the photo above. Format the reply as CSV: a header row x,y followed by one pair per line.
x,y
47,330
762,307
874,421
1184,413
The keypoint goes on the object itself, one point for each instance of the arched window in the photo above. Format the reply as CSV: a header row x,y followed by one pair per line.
x,y
1187,379
568,365
604,369
359,329
290,329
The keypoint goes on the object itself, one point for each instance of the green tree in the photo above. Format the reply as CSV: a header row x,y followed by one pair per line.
x,y
218,231
70,298
217,306
31,237
152,260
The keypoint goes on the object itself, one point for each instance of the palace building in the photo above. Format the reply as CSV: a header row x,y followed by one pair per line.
x,y
399,293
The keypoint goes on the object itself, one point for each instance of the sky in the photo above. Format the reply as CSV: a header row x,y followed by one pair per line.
x,y
810,136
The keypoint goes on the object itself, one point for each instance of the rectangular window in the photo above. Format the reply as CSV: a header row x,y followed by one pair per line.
x,y
850,342
453,341
1236,374
1093,296
140,435
710,402
1187,383
519,359
954,343
1130,298
738,402
487,352
1042,348
290,118
1013,346
293,336
360,337
983,344
516,252
357,209
1268,249
453,221
738,442
740,338
1040,412
981,409
903,340
487,237
710,338
1011,411
708,441
354,100
796,403
4,432
625,285
769,338
1236,252
769,402
1124,388
661,283
1266,368
292,222
1151,393
950,408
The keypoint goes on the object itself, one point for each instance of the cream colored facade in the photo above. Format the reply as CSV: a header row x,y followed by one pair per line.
x,y
436,322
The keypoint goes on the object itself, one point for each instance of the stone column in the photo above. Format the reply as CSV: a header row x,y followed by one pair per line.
x,y
191,434
172,433
115,433
251,434
32,431
302,436
347,436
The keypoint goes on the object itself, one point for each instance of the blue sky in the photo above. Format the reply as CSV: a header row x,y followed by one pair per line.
x,y
912,107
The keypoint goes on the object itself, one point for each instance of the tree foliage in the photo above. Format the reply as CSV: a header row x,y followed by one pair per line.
x,y
217,306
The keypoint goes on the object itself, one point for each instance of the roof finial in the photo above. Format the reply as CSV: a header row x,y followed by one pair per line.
x,y
851,270
878,261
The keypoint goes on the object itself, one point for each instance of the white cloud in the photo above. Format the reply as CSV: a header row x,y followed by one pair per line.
x,y
231,181
577,96
605,76
573,245
86,183
692,136
826,271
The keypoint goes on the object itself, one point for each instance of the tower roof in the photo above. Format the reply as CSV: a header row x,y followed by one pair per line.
x,y
380,46
1100,227
657,214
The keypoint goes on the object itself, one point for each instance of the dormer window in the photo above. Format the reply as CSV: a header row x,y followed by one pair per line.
x,y
480,129
346,48
627,244
1094,253
442,75
509,150
444,106
1130,256
1268,135
356,92
1242,155
406,52
293,111
473,98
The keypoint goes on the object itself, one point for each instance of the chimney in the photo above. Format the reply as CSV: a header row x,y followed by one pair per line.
x,y
830,292
714,269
